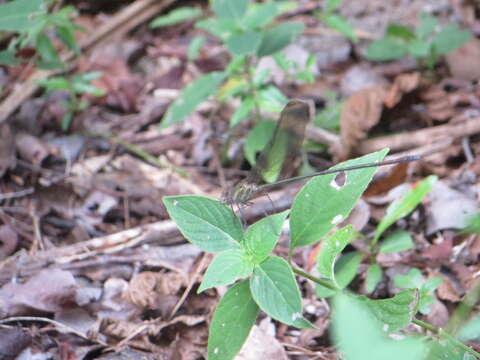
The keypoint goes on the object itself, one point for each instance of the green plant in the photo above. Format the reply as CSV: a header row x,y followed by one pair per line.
x,y
269,283
330,17
76,86
425,43
36,27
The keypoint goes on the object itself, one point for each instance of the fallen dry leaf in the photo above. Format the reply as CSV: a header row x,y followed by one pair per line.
x,y
8,240
31,148
12,342
7,149
403,83
464,62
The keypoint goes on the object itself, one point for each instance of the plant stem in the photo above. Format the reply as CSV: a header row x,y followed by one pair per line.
x,y
252,88
445,335
314,279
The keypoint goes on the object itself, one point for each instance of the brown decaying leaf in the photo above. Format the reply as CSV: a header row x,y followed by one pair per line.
x,y
7,149
50,290
463,62
364,108
31,148
12,342
8,240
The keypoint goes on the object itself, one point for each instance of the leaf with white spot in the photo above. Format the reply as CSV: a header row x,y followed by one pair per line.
x,y
332,247
322,201
232,321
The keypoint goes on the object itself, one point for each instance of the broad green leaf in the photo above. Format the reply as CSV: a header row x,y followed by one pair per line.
x,y
226,268
396,241
396,312
400,31
242,111
46,49
322,203
205,222
473,225
427,25
19,15
346,268
385,49
261,237
257,139
374,276
403,206
446,349
55,83
340,24
359,335
231,323
272,99
470,331
195,46
412,280
190,97
176,16
230,9
259,15
245,43
276,292
331,248
219,27
419,48
450,38
278,37
67,35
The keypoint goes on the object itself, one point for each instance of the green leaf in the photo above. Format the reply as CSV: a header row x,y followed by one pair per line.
x,y
205,222
340,24
446,349
55,83
176,16
245,43
396,241
20,15
385,49
346,268
412,280
221,28
450,38
46,49
242,111
332,5
427,25
194,94
400,31
272,99
231,323
260,15
396,312
405,205
359,335
226,268
257,139
230,9
374,276
470,331
195,46
278,37
67,35
261,237
419,48
332,247
276,292
322,204
7,57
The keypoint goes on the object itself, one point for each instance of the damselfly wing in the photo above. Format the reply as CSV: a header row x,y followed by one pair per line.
x,y
282,149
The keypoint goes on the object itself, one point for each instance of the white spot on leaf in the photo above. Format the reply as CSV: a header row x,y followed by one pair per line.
x,y
175,202
215,351
337,219
386,327
296,316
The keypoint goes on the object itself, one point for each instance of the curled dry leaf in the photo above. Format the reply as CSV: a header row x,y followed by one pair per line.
x,y
8,241
153,290
463,61
364,108
31,148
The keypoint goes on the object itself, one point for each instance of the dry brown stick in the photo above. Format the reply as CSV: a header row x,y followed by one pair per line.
x,y
130,17
422,137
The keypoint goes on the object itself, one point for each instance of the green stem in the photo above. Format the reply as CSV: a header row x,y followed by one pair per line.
x,y
252,87
315,279
445,335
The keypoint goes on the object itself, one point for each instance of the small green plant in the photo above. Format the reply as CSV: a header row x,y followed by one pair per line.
x,y
426,43
330,16
267,282
76,86
35,27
